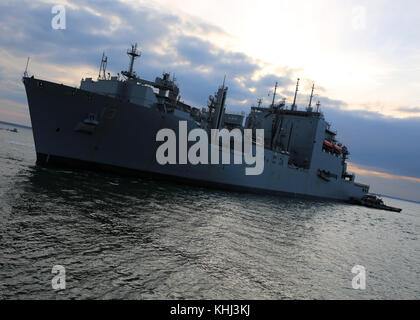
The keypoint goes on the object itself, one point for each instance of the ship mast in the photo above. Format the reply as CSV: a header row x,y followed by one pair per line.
x,y
310,99
274,95
25,74
102,68
294,100
219,108
133,53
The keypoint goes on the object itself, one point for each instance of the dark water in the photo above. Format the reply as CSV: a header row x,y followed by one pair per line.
x,y
125,238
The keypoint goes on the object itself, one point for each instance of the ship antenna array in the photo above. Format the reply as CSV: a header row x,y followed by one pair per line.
x,y
274,94
294,99
25,74
102,68
133,53
310,99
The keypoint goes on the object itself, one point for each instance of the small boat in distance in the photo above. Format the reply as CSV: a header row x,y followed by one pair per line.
x,y
10,130
373,201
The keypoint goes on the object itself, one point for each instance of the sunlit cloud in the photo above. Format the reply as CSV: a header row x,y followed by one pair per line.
x,y
13,114
13,104
369,172
366,54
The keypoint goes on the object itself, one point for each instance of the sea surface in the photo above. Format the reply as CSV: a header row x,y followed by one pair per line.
x,y
130,238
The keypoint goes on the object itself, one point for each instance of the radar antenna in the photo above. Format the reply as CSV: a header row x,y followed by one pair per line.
x,y
318,105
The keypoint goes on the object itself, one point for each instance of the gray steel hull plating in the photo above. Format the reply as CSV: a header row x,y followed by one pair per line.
x,y
125,139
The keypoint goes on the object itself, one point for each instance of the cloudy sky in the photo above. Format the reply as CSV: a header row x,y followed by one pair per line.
x,y
364,57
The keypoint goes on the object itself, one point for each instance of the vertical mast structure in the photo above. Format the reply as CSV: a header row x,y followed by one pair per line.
x,y
294,100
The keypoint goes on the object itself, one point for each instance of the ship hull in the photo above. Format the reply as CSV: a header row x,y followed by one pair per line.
x,y
124,141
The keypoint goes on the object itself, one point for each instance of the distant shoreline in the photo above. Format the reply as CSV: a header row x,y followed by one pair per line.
x,y
15,124
402,199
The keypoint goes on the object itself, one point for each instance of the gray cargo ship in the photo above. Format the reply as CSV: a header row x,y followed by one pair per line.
x,y
112,123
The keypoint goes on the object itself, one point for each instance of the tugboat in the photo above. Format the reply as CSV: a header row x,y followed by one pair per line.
x,y
373,201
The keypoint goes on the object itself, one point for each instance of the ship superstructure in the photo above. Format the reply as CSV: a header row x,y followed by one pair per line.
x,y
111,124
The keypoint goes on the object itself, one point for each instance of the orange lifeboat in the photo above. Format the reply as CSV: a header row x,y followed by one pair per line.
x,y
333,146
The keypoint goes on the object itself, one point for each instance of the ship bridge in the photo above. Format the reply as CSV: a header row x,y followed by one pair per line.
x,y
304,134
